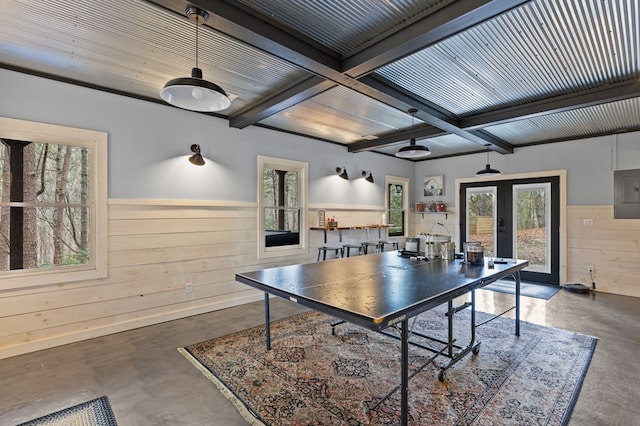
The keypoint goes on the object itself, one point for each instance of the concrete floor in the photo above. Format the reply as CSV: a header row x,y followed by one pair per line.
x,y
149,383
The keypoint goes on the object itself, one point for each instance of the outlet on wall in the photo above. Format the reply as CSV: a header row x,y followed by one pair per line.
x,y
188,288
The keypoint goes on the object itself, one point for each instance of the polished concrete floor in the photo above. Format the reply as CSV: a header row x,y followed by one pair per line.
x,y
149,383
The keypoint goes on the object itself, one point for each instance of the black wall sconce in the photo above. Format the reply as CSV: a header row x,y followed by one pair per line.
x,y
366,174
196,158
342,172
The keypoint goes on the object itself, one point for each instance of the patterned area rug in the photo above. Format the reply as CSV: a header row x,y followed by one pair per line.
x,y
311,377
91,413
539,291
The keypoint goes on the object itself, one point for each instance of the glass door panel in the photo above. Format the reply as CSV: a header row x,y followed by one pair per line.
x,y
516,218
532,230
481,217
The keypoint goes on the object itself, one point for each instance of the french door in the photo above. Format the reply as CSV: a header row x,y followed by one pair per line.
x,y
516,219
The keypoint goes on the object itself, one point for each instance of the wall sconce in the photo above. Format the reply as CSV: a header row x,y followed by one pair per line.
x,y
342,172
196,158
366,174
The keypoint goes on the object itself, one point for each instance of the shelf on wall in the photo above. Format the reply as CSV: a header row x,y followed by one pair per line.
x,y
445,213
345,228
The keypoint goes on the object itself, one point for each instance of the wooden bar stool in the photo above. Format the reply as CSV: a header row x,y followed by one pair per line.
x,y
346,249
324,249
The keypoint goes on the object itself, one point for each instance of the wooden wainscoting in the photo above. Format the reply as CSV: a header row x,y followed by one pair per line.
x,y
155,249
611,246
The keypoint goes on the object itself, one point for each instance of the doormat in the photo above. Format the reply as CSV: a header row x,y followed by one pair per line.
x,y
91,413
539,291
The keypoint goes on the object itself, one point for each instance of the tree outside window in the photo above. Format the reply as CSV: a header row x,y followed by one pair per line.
x,y
53,185
281,207
44,201
395,196
282,199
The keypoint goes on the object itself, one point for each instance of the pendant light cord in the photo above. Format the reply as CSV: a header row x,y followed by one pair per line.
x,y
197,20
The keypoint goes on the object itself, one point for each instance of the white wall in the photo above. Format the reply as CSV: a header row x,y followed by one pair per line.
x,y
149,144
589,163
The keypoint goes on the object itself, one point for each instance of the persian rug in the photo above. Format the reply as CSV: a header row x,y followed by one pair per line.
x,y
96,412
311,377
539,291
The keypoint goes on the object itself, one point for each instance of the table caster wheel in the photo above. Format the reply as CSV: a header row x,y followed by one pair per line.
x,y
441,376
476,350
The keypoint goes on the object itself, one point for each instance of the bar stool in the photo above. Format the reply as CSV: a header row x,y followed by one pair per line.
x,y
393,243
375,244
324,249
346,249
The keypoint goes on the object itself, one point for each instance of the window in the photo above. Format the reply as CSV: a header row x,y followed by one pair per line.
x,y
52,204
282,189
396,205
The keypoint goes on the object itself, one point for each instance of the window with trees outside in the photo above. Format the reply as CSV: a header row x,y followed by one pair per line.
x,y
282,212
52,204
397,205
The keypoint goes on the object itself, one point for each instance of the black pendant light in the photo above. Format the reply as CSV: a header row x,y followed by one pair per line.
x,y
193,93
412,150
488,171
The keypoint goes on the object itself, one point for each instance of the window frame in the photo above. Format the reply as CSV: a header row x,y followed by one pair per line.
x,y
302,168
406,184
96,144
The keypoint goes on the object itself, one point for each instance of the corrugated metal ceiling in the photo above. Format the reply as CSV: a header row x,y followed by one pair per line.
x,y
347,72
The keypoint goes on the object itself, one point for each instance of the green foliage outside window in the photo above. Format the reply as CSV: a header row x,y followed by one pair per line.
x,y
44,205
396,210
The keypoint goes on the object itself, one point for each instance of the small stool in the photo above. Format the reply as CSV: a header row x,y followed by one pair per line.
x,y
323,250
367,244
346,249
393,243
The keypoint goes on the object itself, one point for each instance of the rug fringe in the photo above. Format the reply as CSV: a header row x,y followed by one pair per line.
x,y
237,403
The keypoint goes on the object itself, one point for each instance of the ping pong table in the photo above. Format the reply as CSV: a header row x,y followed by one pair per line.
x,y
384,290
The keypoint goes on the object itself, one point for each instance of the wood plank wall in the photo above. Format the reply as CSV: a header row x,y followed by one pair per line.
x,y
611,246
155,248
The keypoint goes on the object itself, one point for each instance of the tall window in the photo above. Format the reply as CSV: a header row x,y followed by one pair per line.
x,y
397,205
49,196
282,199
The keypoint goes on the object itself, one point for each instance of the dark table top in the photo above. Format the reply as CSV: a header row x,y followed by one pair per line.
x,y
376,290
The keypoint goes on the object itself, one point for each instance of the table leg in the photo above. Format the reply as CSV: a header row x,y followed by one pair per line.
x,y
517,303
450,314
404,374
267,321
473,319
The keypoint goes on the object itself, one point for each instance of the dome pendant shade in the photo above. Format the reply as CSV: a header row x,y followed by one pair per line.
x,y
195,94
488,171
413,151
